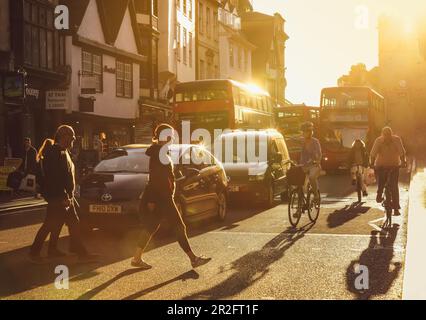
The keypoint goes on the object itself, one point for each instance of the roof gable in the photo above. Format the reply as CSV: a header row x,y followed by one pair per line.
x,y
111,13
91,26
124,41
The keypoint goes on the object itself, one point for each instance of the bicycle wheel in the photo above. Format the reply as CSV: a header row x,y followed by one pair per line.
x,y
295,207
313,206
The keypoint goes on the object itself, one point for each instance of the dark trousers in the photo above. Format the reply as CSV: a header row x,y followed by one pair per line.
x,y
56,216
165,211
391,173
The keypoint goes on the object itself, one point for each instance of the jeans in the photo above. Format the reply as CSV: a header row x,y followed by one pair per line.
x,y
165,210
393,190
56,216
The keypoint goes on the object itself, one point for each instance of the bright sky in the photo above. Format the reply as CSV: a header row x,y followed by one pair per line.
x,y
328,36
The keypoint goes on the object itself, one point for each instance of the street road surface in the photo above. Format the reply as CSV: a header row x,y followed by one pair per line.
x,y
256,255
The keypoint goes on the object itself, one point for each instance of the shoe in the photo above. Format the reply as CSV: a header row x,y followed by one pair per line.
x,y
365,194
140,264
396,213
353,182
297,214
56,254
379,198
36,259
199,261
88,258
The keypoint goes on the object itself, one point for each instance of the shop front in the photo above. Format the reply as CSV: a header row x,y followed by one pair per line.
x,y
100,134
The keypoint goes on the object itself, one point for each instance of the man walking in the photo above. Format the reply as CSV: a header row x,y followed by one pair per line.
x,y
29,162
59,185
387,155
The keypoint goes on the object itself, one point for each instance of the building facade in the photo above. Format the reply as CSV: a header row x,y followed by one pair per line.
x,y
33,62
235,49
268,60
177,44
207,39
402,74
104,50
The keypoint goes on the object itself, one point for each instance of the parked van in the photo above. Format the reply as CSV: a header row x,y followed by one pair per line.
x,y
256,163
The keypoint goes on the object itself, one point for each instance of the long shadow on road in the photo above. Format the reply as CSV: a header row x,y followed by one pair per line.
x,y
377,258
18,275
253,266
341,216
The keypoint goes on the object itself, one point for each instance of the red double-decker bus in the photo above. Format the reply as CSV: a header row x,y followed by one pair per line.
x,y
346,114
289,120
222,104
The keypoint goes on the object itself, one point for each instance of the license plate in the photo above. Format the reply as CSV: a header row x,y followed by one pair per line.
x,y
234,188
95,208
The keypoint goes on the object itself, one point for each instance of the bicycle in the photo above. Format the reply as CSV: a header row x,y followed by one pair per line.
x,y
299,203
387,200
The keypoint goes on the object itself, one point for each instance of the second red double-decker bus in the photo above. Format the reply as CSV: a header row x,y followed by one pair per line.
x,y
222,104
346,114
289,120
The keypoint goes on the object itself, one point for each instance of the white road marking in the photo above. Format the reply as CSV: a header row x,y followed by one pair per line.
x,y
306,234
17,213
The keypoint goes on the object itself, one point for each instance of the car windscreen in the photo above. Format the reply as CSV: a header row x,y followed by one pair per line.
x,y
124,162
240,149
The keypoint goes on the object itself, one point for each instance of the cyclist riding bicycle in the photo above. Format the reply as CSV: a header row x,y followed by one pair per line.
x,y
358,161
311,156
387,155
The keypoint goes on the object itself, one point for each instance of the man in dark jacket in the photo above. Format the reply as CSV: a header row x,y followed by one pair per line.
x,y
159,202
29,162
59,186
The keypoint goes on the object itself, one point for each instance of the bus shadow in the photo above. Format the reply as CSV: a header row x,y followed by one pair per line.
x,y
252,267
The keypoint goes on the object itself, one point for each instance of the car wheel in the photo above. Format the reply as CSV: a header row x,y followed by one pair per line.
x,y
269,202
221,206
284,196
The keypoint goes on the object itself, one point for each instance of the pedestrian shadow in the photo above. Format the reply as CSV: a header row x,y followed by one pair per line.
x,y
92,293
376,259
190,275
250,268
341,216
18,275
16,221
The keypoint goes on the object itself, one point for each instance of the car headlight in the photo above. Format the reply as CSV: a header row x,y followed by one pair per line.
x,y
257,177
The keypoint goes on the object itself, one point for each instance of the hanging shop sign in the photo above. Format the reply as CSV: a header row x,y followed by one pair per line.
x,y
13,86
57,99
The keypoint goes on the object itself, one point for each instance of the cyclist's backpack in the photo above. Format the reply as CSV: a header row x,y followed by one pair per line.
x,y
296,176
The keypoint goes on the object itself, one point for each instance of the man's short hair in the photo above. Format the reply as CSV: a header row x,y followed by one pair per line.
x,y
62,131
27,139
307,126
